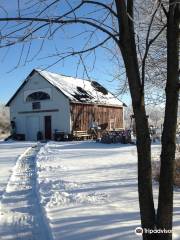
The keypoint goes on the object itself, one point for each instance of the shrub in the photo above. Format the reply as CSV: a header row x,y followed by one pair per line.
x,y
156,168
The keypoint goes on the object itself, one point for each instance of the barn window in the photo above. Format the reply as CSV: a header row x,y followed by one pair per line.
x,y
37,96
36,105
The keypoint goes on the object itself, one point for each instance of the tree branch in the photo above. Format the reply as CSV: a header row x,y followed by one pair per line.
x,y
149,43
163,8
59,21
66,55
103,5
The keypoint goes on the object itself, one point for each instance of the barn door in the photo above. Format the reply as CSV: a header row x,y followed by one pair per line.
x,y
32,125
47,126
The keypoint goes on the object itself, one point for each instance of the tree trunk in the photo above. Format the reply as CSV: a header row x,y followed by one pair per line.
x,y
146,202
127,46
165,203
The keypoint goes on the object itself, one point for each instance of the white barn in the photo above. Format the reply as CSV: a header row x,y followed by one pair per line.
x,y
46,102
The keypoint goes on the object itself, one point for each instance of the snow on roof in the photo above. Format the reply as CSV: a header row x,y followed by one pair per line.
x,y
80,90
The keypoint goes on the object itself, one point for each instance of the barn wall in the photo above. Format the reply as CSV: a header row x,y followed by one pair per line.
x,y
19,108
83,114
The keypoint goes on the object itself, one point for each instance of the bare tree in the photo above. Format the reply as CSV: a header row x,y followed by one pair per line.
x,y
156,116
115,23
4,119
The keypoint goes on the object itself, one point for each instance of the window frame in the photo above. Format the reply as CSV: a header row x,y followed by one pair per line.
x,y
37,104
37,98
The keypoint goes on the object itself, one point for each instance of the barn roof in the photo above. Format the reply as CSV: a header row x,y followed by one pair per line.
x,y
77,90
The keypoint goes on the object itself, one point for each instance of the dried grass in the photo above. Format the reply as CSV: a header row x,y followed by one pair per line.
x,y
177,171
156,169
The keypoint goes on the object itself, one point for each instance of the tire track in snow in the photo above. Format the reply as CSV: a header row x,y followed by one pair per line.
x,y
21,216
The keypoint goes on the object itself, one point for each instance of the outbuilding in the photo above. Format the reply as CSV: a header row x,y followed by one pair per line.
x,y
47,103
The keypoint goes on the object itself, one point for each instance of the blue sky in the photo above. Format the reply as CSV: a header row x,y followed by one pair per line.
x,y
11,77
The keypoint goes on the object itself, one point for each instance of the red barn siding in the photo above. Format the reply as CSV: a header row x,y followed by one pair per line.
x,y
83,114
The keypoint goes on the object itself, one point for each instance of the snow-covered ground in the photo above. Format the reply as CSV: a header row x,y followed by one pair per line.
x,y
21,215
71,191
89,191
9,153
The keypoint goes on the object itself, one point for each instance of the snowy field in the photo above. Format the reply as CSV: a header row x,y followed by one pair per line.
x,y
89,191
72,191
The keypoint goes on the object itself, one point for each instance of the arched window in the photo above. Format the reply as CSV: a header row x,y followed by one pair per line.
x,y
36,96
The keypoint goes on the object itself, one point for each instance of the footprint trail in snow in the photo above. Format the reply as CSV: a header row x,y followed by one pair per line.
x,y
21,216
